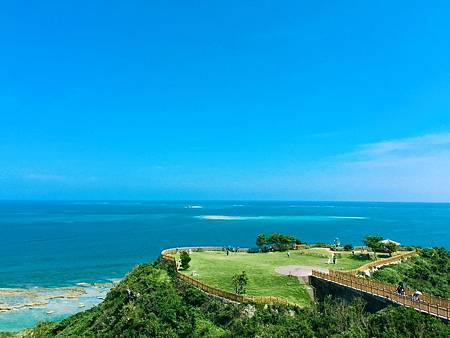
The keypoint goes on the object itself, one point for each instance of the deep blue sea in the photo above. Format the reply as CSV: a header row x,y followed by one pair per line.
x,y
56,244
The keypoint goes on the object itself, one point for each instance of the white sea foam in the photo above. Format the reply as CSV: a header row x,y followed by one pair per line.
x,y
222,217
348,217
311,218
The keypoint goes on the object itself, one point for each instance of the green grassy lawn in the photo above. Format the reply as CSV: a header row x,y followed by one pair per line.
x,y
215,268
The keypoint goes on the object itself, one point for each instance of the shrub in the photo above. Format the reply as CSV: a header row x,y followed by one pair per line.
x,y
322,245
185,259
391,248
348,247
239,282
388,275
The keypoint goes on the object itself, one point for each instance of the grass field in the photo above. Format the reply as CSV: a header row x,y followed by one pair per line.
x,y
215,268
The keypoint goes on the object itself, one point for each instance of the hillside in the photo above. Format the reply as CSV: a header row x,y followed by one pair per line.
x,y
429,271
149,302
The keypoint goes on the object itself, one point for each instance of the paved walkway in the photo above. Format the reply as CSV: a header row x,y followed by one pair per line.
x,y
299,270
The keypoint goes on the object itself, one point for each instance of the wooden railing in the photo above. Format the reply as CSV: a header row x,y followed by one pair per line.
x,y
166,255
430,304
384,261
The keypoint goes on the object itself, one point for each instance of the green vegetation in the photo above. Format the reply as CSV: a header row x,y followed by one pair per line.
x,y
239,282
348,247
215,268
376,245
151,302
373,242
390,248
276,242
261,240
429,271
185,259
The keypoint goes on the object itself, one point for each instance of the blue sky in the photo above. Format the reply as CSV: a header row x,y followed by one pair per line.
x,y
324,100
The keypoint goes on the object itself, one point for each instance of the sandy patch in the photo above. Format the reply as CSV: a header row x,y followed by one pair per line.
x,y
222,217
299,270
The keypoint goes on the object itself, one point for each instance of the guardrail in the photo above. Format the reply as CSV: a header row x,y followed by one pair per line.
x,y
166,255
383,261
429,304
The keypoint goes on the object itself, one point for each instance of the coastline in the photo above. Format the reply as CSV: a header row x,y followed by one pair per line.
x,y
21,308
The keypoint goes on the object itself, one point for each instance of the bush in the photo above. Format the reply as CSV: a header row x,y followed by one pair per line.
x,y
239,282
185,259
388,275
348,247
322,245
429,271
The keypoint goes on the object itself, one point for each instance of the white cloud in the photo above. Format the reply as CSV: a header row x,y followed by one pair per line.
x,y
422,150
409,169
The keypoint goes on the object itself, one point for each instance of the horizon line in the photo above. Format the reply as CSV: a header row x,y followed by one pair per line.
x,y
223,201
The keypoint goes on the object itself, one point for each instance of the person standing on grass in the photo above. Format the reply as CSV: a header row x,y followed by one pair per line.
x,y
289,254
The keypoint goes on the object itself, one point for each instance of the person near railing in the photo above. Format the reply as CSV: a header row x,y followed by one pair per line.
x,y
401,288
416,296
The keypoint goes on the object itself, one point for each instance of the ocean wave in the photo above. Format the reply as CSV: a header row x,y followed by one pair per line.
x,y
224,218
348,217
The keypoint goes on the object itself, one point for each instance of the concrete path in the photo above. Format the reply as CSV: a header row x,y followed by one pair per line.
x,y
299,270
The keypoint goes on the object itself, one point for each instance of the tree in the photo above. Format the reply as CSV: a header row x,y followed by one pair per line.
x,y
239,282
373,242
185,259
260,240
390,247
281,242
348,247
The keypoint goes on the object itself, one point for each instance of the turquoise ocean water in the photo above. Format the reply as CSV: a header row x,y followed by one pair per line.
x,y
56,244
